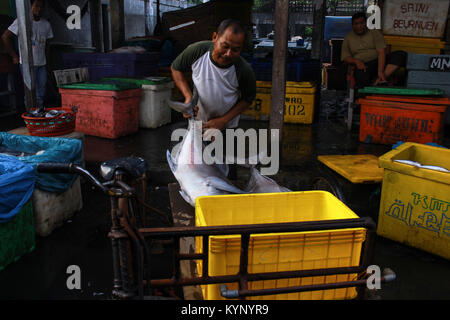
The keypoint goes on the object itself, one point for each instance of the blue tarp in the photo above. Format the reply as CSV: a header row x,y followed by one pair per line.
x,y
17,181
50,150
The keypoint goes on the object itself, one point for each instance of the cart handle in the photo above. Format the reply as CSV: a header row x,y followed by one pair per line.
x,y
56,167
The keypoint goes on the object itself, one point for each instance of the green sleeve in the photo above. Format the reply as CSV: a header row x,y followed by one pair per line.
x,y
193,52
247,80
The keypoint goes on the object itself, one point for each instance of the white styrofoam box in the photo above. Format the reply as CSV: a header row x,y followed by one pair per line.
x,y
154,110
51,210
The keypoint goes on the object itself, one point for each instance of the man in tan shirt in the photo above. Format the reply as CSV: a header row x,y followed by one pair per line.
x,y
366,50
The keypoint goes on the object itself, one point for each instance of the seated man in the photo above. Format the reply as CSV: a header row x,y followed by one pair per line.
x,y
366,49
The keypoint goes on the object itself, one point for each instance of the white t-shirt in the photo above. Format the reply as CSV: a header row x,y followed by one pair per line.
x,y
219,88
41,31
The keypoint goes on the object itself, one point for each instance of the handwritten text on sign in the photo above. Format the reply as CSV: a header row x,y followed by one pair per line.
x,y
423,211
415,18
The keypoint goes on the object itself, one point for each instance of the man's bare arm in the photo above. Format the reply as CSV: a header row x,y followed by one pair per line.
x,y
182,84
6,38
358,63
381,64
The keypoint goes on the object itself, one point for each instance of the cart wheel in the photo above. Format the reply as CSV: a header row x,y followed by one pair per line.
x,y
326,182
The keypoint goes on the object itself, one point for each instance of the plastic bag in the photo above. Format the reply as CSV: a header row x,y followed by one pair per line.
x,y
17,180
55,150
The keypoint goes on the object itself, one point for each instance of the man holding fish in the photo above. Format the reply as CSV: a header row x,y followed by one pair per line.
x,y
224,86
225,81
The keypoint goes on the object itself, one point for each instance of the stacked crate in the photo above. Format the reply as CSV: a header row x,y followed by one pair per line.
x,y
429,71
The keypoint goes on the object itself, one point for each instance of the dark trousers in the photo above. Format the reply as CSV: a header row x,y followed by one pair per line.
x,y
368,77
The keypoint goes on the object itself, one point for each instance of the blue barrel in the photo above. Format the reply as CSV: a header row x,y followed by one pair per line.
x,y
337,27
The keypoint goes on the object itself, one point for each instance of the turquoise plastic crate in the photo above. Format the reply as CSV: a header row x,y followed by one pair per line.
x,y
17,236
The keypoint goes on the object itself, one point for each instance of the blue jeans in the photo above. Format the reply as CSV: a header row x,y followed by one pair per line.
x,y
40,74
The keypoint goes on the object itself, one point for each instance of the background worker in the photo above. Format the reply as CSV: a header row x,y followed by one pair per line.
x,y
41,32
366,50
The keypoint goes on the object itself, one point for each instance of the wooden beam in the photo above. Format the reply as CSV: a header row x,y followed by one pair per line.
x,y
117,23
146,14
279,66
23,9
320,9
95,12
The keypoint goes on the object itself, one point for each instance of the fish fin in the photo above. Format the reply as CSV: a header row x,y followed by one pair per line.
x,y
223,168
181,107
187,108
172,164
263,183
223,185
186,197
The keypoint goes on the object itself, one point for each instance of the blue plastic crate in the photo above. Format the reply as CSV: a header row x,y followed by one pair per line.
x,y
309,70
296,70
262,70
102,65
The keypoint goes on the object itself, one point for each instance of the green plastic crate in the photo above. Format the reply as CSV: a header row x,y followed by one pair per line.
x,y
17,236
402,91
104,85
140,81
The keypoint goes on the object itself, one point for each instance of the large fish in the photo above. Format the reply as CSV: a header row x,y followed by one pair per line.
x,y
197,178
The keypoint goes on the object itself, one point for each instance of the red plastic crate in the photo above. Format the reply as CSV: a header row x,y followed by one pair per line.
x,y
387,122
104,113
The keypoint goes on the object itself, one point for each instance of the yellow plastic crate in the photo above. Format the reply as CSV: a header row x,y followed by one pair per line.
x,y
415,202
415,45
282,251
358,168
299,104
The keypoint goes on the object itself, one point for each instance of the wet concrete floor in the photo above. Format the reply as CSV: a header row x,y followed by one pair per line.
x,y
83,241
